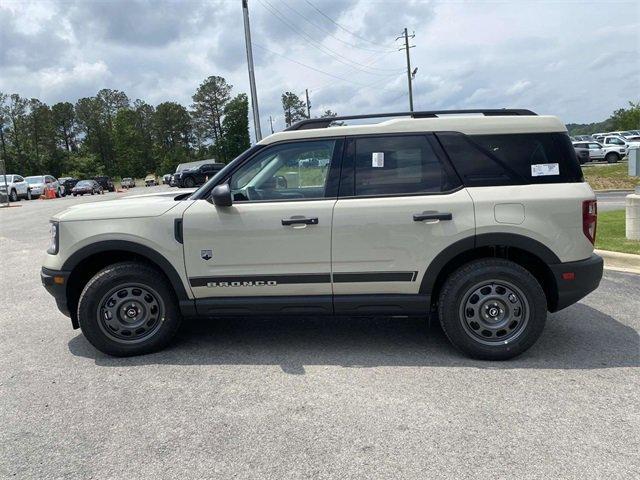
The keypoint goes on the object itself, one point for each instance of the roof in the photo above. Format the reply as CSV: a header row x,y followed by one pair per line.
x,y
469,124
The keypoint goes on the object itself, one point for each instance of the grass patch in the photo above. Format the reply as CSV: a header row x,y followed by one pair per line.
x,y
610,234
606,177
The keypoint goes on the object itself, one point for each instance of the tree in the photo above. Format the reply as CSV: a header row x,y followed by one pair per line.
x,y
294,108
627,118
64,121
236,126
172,125
130,145
208,106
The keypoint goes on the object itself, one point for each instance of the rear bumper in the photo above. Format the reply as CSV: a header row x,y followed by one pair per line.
x,y
55,282
571,288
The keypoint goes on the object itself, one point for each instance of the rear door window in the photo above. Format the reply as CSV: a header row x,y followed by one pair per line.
x,y
399,165
512,159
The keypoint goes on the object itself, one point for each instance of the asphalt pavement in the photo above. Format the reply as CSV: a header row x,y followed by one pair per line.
x,y
608,201
307,397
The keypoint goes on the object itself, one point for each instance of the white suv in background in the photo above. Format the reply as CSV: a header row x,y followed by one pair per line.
x,y
612,153
16,187
484,222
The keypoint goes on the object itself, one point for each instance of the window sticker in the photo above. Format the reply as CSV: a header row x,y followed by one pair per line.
x,y
545,169
377,159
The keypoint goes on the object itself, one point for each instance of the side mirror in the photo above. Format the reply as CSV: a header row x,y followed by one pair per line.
x,y
221,196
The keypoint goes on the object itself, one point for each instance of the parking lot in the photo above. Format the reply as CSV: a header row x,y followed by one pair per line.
x,y
308,397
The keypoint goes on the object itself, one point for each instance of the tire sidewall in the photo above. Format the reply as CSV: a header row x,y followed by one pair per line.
x,y
111,277
466,277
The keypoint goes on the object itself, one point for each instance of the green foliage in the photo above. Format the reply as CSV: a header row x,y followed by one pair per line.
x,y
107,134
611,233
621,119
294,108
236,126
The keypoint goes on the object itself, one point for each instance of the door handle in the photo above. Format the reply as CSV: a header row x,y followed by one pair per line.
x,y
300,221
419,217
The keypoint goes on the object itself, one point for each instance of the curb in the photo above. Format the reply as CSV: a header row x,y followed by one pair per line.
x,y
614,190
624,262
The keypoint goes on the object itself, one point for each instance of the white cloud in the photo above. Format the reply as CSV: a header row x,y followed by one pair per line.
x,y
469,55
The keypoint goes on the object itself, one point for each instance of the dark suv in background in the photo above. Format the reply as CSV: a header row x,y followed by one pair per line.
x,y
68,183
197,176
106,183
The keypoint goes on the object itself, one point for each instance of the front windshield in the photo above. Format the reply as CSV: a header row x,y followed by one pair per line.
x,y
34,180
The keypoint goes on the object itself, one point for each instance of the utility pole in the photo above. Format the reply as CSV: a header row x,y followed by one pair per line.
x,y
271,123
252,78
409,74
306,93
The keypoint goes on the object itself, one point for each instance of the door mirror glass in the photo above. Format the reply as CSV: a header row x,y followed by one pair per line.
x,y
221,196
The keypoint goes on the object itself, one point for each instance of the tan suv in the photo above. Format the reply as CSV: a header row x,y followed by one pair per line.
x,y
481,219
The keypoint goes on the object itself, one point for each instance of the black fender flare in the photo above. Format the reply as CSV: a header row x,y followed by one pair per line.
x,y
127,246
522,242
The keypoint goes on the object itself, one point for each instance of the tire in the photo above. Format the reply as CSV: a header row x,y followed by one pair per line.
x,y
189,182
75,194
612,157
492,309
58,193
13,196
29,197
122,289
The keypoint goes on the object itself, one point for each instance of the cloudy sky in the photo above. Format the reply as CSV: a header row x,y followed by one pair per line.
x,y
578,60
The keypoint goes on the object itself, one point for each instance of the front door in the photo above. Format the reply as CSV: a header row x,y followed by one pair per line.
x,y
405,207
275,240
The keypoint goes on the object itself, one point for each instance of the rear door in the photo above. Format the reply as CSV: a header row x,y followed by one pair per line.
x,y
400,205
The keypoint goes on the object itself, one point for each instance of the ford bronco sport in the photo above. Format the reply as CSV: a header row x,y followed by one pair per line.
x,y
481,219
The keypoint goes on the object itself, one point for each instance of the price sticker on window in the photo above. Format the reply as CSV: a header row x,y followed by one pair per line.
x,y
377,159
545,169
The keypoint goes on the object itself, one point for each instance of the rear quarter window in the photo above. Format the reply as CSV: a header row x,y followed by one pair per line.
x,y
512,159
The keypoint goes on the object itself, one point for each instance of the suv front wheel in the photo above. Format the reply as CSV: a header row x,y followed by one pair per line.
x,y
128,308
492,309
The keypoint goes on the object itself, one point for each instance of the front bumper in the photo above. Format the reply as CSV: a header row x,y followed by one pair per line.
x,y
55,282
575,280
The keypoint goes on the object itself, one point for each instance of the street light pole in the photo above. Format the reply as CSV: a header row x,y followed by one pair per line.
x,y
252,78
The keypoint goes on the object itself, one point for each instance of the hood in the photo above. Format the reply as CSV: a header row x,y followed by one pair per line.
x,y
130,207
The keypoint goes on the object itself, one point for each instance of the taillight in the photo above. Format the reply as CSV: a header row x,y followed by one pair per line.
x,y
590,219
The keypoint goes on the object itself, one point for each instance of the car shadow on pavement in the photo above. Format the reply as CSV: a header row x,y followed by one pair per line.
x,y
579,337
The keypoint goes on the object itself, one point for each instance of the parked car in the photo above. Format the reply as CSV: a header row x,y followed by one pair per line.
x,y
195,177
582,154
39,184
150,180
67,183
187,166
582,138
16,187
597,151
166,179
106,183
87,187
413,216
128,182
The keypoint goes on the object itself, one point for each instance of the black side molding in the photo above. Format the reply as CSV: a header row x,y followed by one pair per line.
x,y
177,230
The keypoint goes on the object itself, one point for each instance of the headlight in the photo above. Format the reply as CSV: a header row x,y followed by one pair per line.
x,y
54,239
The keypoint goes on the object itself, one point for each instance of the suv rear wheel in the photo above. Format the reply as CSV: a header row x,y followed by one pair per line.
x,y
128,309
189,182
492,309
612,157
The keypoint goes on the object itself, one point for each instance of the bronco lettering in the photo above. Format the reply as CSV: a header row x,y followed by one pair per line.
x,y
246,283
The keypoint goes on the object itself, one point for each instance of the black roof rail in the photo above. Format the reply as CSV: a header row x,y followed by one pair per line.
x,y
326,121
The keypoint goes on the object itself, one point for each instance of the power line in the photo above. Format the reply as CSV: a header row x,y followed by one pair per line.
x,y
313,42
341,27
308,66
328,32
